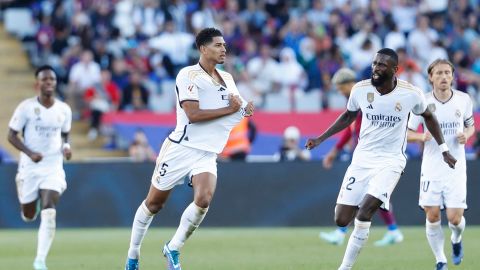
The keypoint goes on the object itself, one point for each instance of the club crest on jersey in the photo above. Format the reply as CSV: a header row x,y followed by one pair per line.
x,y
458,113
37,113
398,107
370,97
431,107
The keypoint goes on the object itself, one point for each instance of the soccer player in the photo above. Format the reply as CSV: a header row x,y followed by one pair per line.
x,y
344,79
208,107
439,185
45,123
379,158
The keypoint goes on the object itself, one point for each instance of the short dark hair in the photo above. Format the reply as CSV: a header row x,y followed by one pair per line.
x,y
389,52
206,36
42,68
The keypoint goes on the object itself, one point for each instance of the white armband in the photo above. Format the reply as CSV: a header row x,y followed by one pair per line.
x,y
443,147
66,146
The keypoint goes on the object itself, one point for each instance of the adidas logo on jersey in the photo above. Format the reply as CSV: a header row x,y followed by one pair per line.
x,y
370,107
186,138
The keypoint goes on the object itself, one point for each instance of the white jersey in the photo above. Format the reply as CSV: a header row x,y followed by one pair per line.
x,y
383,133
193,83
42,128
453,116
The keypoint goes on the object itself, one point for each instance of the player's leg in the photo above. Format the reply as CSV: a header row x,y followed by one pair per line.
x,y
393,235
153,203
360,233
435,234
456,222
28,195
46,232
204,185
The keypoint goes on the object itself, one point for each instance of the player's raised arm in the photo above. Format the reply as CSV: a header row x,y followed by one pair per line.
x,y
343,121
15,141
434,128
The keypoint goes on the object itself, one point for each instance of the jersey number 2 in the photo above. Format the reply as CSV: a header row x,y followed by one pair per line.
x,y
351,180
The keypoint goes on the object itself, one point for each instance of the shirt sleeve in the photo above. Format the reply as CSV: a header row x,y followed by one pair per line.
x,y
414,121
468,120
421,105
352,104
19,118
67,124
186,88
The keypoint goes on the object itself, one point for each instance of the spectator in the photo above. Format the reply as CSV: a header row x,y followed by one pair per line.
x,y
135,95
290,149
84,74
239,142
140,150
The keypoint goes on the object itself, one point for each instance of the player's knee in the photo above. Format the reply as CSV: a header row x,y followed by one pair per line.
x,y
342,221
455,220
203,201
154,207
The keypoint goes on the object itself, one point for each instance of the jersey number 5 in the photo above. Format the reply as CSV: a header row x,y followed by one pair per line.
x,y
163,169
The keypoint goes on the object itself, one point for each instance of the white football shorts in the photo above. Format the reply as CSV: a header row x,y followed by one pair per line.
x,y
29,184
450,192
378,182
176,161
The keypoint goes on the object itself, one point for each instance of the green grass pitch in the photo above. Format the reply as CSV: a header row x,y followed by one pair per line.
x,y
229,248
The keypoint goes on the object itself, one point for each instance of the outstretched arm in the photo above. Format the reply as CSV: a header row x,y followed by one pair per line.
x,y
343,121
432,125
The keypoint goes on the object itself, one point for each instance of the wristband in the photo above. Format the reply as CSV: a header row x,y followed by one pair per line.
x,y
66,146
443,147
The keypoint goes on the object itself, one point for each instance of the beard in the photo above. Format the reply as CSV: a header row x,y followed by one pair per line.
x,y
381,79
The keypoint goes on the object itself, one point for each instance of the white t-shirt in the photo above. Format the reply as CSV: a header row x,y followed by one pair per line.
x,y
193,83
383,133
42,128
453,116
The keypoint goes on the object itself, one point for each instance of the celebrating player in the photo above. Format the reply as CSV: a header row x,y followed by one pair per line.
x,y
208,107
44,122
439,185
379,158
344,80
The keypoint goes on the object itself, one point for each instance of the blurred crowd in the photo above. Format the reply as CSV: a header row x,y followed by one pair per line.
x,y
124,54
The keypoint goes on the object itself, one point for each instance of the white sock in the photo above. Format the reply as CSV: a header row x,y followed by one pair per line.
x,y
46,232
457,231
141,222
357,240
191,219
436,240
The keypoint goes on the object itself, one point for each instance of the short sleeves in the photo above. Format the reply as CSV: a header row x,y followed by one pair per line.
x,y
67,123
421,103
468,120
414,121
19,118
186,89
352,104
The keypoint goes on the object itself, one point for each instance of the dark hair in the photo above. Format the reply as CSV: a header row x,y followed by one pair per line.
x,y
42,68
206,36
389,52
